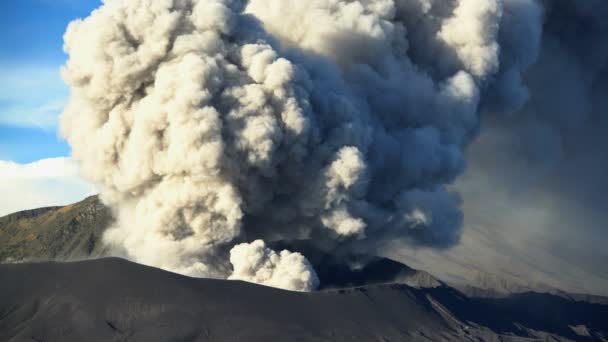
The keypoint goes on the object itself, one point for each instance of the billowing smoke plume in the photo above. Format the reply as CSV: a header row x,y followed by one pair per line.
x,y
256,263
209,123
534,189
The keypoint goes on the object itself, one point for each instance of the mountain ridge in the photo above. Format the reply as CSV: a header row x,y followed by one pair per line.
x,y
55,233
114,299
74,232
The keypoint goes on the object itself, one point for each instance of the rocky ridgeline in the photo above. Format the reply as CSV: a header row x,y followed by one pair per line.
x,y
55,233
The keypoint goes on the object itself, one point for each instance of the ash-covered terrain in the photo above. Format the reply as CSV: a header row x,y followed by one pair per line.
x,y
113,299
75,232
116,300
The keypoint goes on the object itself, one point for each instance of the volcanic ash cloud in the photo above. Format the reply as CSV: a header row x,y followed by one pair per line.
x,y
336,124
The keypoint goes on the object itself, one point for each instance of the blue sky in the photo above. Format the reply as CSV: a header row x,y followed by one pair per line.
x,y
32,93
34,170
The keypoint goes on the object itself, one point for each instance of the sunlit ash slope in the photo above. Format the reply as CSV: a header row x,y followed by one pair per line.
x,y
113,299
55,233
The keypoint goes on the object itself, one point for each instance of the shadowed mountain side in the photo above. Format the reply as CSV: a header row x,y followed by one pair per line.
x,y
531,311
374,270
112,299
337,271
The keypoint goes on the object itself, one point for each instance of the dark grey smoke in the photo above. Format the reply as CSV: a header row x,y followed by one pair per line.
x,y
538,171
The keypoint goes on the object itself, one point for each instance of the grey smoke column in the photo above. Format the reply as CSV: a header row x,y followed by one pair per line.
x,y
213,122
538,169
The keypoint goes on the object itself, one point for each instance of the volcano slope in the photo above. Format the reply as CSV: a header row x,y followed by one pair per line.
x,y
74,232
55,233
116,300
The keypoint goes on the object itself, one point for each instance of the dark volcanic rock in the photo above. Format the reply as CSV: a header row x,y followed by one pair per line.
x,y
112,299
373,271
115,300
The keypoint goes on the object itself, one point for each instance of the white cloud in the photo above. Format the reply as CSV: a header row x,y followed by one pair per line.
x,y
47,182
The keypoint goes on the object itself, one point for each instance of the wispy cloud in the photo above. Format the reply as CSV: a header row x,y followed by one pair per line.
x,y
31,96
47,182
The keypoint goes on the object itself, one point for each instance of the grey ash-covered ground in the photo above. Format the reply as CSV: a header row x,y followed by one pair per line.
x,y
116,300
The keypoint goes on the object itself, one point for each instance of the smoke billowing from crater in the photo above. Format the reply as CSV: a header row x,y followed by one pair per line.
x,y
210,124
